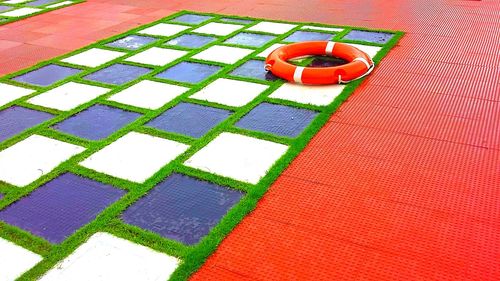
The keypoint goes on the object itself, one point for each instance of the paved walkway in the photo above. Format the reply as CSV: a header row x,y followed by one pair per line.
x,y
402,183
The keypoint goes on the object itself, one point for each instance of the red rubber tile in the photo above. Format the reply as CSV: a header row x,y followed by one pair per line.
x,y
401,184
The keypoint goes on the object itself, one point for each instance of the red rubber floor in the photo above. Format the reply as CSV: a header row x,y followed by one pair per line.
x,y
403,183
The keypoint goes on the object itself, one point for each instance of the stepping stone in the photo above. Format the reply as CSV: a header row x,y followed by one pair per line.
x,y
135,157
156,56
240,21
60,207
313,95
93,57
215,28
191,41
300,36
189,119
369,36
68,96
15,260
189,72
182,208
250,39
223,54
230,92
277,119
272,27
16,119
238,157
47,75
40,2
164,29
148,94
118,74
106,257
189,18
33,157
96,122
254,69
132,42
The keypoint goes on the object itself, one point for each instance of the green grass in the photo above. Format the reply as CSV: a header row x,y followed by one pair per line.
x,y
192,256
44,9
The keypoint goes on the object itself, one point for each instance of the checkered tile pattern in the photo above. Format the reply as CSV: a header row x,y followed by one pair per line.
x,y
118,112
12,10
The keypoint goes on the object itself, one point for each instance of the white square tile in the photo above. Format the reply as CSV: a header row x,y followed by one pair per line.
x,y
15,260
164,29
230,92
238,157
68,96
215,28
269,50
20,12
315,95
369,50
10,93
93,57
272,27
135,157
105,257
59,4
223,54
156,56
15,1
29,159
148,94
321,28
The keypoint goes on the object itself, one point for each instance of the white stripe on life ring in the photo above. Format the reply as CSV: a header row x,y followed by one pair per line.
x,y
329,48
297,75
364,61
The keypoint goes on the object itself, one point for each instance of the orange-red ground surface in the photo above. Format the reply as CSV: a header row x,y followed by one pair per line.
x,y
402,183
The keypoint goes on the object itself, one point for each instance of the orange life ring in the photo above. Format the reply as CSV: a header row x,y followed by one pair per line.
x,y
359,64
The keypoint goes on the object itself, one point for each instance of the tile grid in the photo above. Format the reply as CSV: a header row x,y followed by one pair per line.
x,y
137,190
18,10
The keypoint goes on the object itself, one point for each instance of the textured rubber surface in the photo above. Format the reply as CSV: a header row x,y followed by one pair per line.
x,y
58,208
182,208
411,161
16,119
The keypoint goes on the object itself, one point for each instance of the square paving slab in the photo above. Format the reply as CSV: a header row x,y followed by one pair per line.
x,y
11,93
47,75
58,208
68,96
300,36
16,119
189,72
277,119
93,57
254,69
15,260
250,39
106,257
148,94
369,36
33,157
132,42
230,92
191,41
96,122
189,119
238,157
182,208
135,157
118,74
194,19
